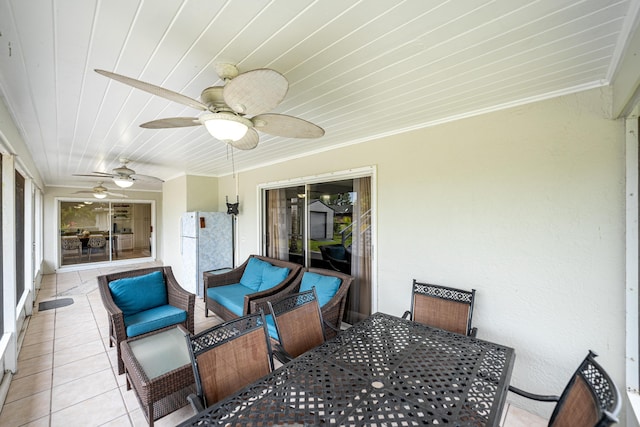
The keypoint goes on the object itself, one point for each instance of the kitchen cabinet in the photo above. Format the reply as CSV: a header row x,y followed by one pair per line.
x,y
125,242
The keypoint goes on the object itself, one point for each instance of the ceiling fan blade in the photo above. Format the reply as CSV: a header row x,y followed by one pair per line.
x,y
115,194
146,178
173,122
83,192
248,142
287,126
255,92
96,175
155,90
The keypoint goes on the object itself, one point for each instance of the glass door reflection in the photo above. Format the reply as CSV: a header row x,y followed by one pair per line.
x,y
92,231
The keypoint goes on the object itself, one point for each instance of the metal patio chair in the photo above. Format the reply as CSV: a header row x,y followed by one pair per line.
x,y
299,325
442,307
228,357
590,399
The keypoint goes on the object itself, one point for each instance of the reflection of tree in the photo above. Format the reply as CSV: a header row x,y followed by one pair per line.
x,y
340,199
295,227
76,215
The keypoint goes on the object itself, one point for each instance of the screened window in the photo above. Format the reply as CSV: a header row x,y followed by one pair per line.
x,y
19,217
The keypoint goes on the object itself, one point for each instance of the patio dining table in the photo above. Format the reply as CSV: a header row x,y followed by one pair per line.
x,y
382,371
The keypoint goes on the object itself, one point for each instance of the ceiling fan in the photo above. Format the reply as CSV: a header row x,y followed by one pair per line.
x,y
122,176
235,111
100,192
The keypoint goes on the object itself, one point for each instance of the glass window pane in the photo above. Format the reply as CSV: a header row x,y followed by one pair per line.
x,y
338,236
106,231
19,216
284,219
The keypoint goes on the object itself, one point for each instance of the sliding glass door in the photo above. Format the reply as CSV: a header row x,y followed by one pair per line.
x,y
325,225
92,231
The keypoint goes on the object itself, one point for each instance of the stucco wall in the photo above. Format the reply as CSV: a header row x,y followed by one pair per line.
x,y
525,205
184,194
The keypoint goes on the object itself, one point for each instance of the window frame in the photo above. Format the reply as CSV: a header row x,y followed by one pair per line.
x,y
82,266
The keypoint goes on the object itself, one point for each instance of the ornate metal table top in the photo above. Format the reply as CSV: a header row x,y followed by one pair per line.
x,y
382,371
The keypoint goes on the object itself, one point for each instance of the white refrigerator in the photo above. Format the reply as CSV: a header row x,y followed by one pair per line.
x,y
206,244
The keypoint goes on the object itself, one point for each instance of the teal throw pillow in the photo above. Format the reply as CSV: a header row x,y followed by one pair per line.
x,y
272,275
139,293
326,286
252,276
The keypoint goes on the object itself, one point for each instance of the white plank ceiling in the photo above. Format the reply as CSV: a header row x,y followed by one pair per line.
x,y
358,69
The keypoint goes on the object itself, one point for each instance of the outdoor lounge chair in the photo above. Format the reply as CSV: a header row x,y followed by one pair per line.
x,y
248,287
144,300
332,299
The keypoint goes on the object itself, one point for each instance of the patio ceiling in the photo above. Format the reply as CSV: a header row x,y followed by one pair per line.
x,y
359,69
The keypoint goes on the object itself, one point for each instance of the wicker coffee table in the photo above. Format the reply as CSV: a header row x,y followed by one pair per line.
x,y
158,367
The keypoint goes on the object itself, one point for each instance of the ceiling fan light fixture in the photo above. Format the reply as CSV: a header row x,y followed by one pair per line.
x,y
99,195
226,126
123,182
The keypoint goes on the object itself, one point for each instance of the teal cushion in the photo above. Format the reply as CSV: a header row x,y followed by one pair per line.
x,y
326,286
272,276
230,296
153,319
252,276
140,293
271,326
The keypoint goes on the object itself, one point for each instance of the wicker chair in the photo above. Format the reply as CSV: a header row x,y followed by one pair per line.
x,y
252,302
442,307
298,322
176,296
590,398
332,311
228,357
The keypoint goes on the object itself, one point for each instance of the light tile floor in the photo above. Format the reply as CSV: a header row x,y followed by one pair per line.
x,y
67,373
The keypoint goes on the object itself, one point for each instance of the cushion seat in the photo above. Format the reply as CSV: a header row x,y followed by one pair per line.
x,y
247,288
230,296
153,319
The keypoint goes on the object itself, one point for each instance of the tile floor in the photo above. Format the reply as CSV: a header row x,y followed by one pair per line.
x,y
67,373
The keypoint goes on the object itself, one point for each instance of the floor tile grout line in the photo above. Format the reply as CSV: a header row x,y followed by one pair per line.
x,y
106,349
117,387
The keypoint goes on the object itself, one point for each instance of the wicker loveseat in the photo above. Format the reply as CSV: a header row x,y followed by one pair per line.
x,y
248,287
142,301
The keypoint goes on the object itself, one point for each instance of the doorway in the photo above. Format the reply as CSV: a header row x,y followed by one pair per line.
x,y
325,224
91,231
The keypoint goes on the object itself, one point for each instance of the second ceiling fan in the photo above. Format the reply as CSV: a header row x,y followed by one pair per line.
x,y
235,111
123,176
